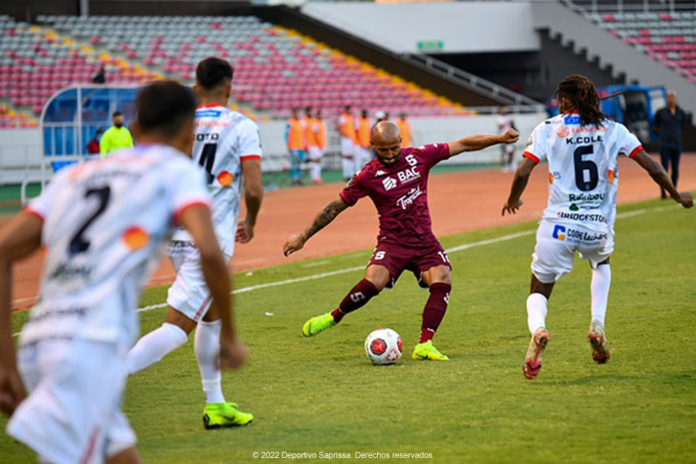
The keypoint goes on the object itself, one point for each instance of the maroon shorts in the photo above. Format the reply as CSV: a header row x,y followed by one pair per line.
x,y
397,258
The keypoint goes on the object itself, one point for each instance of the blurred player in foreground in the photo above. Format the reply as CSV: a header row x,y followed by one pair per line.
x,y
581,146
396,181
227,145
102,223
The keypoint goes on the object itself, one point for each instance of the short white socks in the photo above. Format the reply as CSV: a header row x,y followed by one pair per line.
x,y
536,311
601,281
207,348
155,346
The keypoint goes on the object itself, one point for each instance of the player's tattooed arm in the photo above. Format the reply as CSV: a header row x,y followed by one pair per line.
x,y
479,142
324,218
519,183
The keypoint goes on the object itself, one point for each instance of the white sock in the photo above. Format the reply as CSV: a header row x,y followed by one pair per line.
x,y
601,280
155,346
536,311
207,347
315,171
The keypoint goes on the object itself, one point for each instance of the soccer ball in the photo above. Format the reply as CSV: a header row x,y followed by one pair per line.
x,y
383,346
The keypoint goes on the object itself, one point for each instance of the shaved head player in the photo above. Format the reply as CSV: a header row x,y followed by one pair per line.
x,y
396,181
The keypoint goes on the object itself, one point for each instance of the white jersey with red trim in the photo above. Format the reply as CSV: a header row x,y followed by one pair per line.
x,y
583,168
224,139
104,224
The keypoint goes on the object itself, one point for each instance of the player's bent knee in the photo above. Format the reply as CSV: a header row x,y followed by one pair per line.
x,y
378,276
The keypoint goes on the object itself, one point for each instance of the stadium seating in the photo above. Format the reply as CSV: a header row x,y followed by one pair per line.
x,y
275,68
35,62
668,37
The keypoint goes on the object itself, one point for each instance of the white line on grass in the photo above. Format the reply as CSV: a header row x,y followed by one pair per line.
x,y
455,249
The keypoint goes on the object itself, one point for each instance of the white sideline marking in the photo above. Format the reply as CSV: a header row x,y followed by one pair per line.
x,y
455,249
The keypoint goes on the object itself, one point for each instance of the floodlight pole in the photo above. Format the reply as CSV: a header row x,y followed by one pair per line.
x,y
84,8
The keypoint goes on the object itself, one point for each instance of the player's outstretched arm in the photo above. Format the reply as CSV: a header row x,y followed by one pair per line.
x,y
660,176
519,183
253,194
18,239
196,220
479,142
328,214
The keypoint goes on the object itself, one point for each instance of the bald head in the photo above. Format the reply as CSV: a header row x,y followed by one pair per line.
x,y
386,141
385,132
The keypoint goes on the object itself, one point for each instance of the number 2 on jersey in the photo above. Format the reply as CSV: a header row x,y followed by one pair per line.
x,y
585,168
78,244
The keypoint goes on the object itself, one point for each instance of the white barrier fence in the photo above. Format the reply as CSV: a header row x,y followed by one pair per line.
x,y
21,159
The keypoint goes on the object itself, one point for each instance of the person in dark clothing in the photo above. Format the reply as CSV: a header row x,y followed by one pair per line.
x,y
93,145
99,77
668,124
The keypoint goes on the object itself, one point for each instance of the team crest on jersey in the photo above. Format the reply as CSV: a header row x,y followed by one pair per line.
x,y
389,183
379,173
225,178
135,238
562,132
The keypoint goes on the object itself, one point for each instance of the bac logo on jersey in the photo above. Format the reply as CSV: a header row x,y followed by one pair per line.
x,y
563,132
135,238
559,232
569,120
389,183
408,175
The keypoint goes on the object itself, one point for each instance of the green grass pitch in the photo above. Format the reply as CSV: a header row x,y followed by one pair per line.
x,y
321,395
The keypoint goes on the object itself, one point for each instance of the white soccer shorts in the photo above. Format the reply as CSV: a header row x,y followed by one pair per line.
x,y
556,245
72,413
189,293
314,153
347,147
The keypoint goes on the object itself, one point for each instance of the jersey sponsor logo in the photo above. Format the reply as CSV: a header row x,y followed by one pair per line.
x,y
389,183
573,235
407,175
582,217
571,120
407,200
76,311
379,173
208,113
203,136
64,272
583,140
586,197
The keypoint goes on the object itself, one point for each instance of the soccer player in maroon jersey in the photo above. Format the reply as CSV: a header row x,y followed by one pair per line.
x,y
396,181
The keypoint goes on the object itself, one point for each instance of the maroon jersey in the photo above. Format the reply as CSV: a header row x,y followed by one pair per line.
x,y
400,194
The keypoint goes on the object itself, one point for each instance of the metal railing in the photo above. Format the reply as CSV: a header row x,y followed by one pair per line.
x,y
624,6
483,86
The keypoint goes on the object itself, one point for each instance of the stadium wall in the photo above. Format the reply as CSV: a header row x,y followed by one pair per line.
x,y
460,27
20,149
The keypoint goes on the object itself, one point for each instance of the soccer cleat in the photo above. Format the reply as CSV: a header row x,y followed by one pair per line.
x,y
532,361
598,341
426,350
318,324
216,415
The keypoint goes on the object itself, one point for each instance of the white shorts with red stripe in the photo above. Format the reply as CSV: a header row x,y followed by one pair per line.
x,y
72,413
189,293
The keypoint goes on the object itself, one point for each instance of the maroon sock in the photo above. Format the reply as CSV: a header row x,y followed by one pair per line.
x,y
434,311
356,298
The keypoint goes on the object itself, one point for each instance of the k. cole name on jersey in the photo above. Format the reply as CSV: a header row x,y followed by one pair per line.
x,y
583,168
224,139
399,193
104,222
